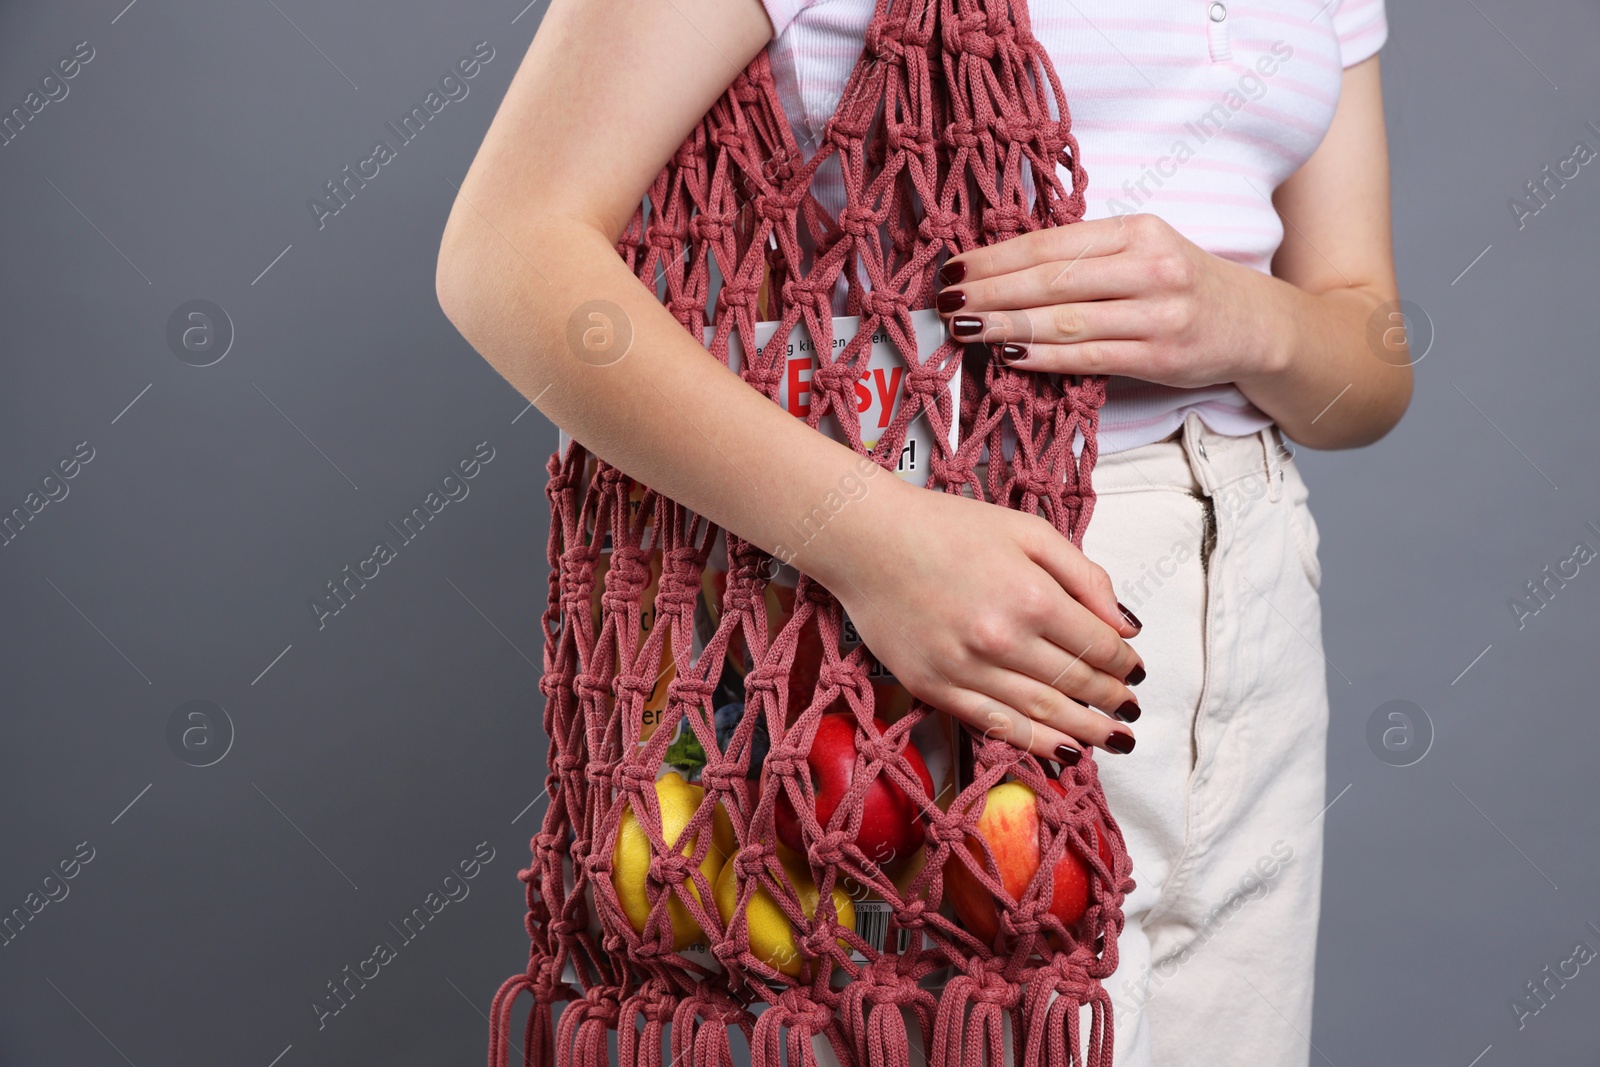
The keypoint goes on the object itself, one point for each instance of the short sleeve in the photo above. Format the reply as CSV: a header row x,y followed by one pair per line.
x,y
1360,25
782,12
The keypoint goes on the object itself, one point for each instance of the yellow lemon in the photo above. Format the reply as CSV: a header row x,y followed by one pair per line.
x,y
630,860
771,935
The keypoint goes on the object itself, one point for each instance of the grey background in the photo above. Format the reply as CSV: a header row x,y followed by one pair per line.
x,y
378,751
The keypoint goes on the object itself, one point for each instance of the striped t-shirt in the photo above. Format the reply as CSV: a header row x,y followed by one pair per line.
x,y
1193,110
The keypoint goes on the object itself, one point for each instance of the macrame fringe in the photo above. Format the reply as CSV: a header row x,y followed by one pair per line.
x,y
788,1025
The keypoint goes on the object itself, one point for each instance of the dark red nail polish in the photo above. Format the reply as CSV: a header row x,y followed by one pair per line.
x,y
1135,676
966,326
951,300
952,272
1012,353
1133,620
1067,756
1128,712
1120,742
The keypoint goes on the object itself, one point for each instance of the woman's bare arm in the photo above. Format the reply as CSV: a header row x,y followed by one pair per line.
x,y
970,605
1338,383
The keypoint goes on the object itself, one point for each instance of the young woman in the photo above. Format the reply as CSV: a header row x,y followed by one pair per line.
x,y
1234,262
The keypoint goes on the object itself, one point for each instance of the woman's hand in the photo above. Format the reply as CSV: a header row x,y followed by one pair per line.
x,y
991,615
1312,344
1127,295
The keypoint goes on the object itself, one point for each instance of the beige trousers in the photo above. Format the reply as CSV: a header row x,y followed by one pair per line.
x,y
1209,542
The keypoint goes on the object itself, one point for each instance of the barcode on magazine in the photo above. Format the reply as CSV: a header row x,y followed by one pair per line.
x,y
872,925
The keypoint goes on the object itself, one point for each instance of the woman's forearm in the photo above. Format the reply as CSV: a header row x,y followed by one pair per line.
x,y
1322,381
666,413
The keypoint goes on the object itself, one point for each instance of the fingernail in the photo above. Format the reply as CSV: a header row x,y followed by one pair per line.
x,y
1133,620
1067,756
1120,742
1135,676
952,272
966,326
951,300
1012,353
1128,712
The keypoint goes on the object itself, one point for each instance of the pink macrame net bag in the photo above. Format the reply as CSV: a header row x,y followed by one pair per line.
x,y
947,137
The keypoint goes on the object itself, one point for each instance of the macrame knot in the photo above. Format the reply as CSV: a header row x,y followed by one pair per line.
x,y
1010,389
1066,972
720,776
668,241
655,1001
691,690
547,843
1004,221
858,221
637,775
806,295
880,981
949,829
677,596
577,574
961,134
603,1006
777,207
1019,128
761,680
909,915
625,578
1039,481
785,763
737,296
828,850
879,749
545,980
834,378
883,39
669,870
1019,922
629,686
884,303
841,676
974,35
926,378
1057,813
707,227
752,859
801,1012
822,940
989,984
728,136
939,225
910,137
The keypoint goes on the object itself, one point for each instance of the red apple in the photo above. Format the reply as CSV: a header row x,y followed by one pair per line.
x,y
1011,826
891,831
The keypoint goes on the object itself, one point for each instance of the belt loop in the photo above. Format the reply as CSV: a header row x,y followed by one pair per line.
x,y
1270,443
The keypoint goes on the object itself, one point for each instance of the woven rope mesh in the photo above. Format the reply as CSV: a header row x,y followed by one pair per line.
x,y
947,137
